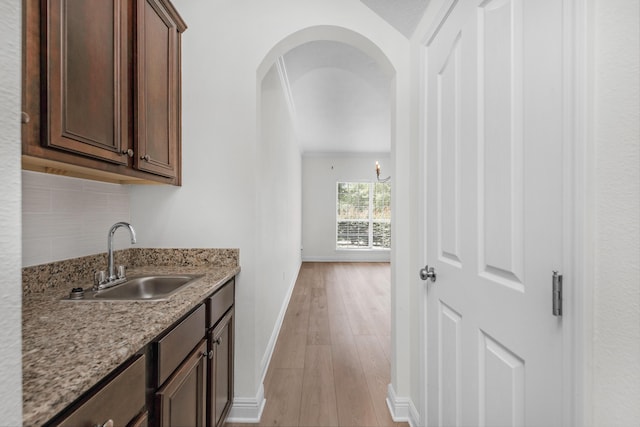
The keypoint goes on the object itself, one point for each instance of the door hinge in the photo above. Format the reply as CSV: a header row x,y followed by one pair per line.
x,y
557,294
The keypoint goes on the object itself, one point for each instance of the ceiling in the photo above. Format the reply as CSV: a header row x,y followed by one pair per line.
x,y
403,15
341,99
339,94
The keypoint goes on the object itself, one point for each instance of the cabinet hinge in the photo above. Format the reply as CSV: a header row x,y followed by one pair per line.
x,y
557,294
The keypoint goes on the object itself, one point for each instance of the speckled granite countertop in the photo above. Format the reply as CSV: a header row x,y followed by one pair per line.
x,y
70,346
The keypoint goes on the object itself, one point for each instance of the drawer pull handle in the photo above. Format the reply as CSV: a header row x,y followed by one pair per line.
x,y
109,423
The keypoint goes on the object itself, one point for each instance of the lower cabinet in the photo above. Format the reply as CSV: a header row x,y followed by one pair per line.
x,y
221,370
180,373
182,378
119,402
221,349
182,400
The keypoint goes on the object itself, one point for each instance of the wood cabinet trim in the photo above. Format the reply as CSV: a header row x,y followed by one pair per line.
x,y
120,399
195,361
216,415
57,131
178,342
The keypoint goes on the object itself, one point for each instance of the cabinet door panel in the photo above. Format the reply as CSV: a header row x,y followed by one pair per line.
x,y
182,399
87,72
157,72
221,378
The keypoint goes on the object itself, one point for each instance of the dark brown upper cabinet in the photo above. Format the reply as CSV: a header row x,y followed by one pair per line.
x,y
101,89
158,84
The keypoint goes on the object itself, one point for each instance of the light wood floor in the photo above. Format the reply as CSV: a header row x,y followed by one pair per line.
x,y
331,363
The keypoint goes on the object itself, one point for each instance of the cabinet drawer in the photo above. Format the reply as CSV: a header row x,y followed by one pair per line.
x,y
120,400
174,347
220,302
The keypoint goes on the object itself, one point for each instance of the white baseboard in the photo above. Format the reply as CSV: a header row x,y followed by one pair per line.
x,y
247,410
402,409
347,258
271,345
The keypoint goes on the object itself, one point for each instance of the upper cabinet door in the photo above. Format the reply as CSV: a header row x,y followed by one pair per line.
x,y
85,87
158,88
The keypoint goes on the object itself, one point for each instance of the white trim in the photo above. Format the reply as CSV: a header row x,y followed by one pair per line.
x,y
286,89
247,409
320,154
271,345
439,21
579,202
402,409
385,257
422,229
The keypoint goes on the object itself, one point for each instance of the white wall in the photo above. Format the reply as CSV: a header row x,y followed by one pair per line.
x,y
616,136
223,51
66,217
278,214
10,227
320,173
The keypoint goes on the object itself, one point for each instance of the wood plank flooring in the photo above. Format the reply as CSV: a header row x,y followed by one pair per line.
x,y
331,363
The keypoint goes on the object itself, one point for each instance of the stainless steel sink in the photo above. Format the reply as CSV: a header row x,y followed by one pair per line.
x,y
143,288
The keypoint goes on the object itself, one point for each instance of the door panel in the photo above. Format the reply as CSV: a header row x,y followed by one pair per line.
x,y
448,92
493,141
502,389
450,340
500,162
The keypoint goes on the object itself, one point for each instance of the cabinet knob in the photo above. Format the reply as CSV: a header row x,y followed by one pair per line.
x,y
108,423
24,117
146,157
207,355
218,341
128,152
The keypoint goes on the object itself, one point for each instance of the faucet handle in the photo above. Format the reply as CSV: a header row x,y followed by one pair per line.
x,y
121,272
99,278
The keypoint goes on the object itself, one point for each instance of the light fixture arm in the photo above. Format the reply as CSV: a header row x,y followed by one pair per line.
x,y
378,174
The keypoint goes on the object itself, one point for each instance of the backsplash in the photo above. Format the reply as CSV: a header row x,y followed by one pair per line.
x,y
79,271
65,218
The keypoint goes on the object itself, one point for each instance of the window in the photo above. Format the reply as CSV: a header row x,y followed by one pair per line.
x,y
363,215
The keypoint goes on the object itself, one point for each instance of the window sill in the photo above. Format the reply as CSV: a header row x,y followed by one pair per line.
x,y
363,250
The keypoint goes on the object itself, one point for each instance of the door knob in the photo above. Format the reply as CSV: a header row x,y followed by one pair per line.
x,y
428,273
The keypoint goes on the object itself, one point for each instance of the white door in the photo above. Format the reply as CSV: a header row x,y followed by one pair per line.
x,y
494,234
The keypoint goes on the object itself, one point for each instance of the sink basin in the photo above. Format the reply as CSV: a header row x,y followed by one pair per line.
x,y
144,288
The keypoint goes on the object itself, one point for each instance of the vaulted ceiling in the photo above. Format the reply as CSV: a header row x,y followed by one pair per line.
x,y
404,15
340,96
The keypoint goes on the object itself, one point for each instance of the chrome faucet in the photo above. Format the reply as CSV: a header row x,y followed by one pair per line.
x,y
112,278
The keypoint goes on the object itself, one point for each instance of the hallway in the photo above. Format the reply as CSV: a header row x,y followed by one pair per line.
x,y
331,364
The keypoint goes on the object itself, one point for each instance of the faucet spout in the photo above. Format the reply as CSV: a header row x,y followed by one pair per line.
x,y
110,267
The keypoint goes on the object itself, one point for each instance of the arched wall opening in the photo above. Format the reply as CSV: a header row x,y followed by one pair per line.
x,y
269,168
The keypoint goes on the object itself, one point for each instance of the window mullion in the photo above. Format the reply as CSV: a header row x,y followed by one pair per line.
x,y
370,215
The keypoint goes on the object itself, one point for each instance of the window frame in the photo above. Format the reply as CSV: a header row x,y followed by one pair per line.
x,y
370,220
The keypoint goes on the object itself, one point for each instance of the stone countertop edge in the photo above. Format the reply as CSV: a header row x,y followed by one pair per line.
x,y
69,346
